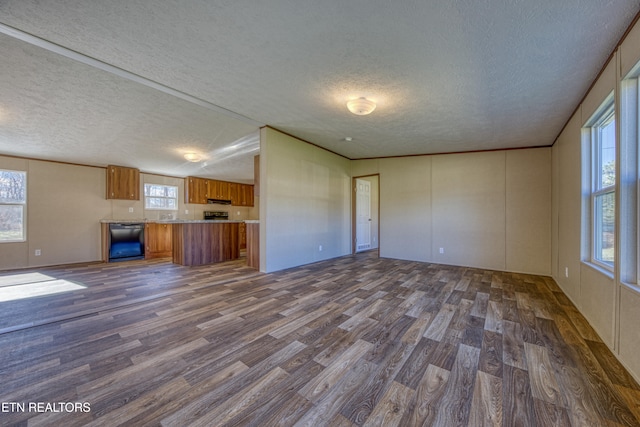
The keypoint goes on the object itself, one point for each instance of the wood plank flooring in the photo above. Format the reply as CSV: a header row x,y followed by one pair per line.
x,y
354,341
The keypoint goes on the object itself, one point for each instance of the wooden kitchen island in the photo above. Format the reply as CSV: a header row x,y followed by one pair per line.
x,y
205,242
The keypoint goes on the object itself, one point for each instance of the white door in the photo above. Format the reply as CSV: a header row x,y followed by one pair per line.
x,y
363,215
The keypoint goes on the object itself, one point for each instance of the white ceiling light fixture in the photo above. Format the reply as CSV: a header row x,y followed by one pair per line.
x,y
361,106
192,157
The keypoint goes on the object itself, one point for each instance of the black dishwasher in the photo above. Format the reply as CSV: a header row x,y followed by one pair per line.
x,y
126,242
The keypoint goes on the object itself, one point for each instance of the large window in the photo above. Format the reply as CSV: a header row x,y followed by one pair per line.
x,y
13,199
161,197
603,181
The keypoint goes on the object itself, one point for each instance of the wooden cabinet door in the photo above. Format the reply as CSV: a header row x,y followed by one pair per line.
x,y
197,190
123,183
219,189
234,193
158,240
241,194
243,235
248,195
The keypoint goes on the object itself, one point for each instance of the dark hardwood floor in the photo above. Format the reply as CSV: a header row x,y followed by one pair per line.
x,y
357,340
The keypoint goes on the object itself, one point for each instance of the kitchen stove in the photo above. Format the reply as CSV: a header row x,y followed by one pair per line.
x,y
216,216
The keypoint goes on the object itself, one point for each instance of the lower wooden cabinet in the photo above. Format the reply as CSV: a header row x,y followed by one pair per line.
x,y
158,240
243,235
206,242
253,245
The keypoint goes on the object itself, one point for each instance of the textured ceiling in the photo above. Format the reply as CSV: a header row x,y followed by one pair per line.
x,y
447,76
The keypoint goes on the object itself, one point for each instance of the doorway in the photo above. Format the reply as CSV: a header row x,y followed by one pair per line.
x,y
365,218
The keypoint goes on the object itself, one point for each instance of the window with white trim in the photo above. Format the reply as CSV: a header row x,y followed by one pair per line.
x,y
603,185
13,202
629,179
161,197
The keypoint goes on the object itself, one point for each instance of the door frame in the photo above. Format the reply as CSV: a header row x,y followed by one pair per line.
x,y
354,247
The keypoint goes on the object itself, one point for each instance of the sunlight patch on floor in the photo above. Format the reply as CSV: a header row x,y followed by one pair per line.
x,y
28,285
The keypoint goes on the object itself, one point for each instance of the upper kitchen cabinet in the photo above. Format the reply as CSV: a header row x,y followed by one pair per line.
x,y
200,190
241,194
123,183
219,190
246,198
196,190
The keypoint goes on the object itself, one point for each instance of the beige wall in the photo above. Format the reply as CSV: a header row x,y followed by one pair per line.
x,y
468,208
610,306
568,186
306,202
489,210
405,208
64,206
528,210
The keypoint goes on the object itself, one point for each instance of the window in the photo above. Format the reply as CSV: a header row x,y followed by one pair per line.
x,y
603,186
13,199
161,197
627,260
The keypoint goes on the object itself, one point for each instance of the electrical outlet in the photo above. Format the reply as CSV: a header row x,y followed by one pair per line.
x,y
441,250
130,210
38,252
320,248
186,211
566,272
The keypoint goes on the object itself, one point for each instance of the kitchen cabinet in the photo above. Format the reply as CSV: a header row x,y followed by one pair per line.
x,y
253,244
205,242
248,195
196,190
219,189
158,240
242,230
123,183
234,193
241,194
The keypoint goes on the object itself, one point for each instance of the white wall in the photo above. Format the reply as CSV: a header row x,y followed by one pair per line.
x,y
305,203
489,210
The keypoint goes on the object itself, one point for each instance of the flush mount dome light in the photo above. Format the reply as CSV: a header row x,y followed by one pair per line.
x,y
361,106
192,157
